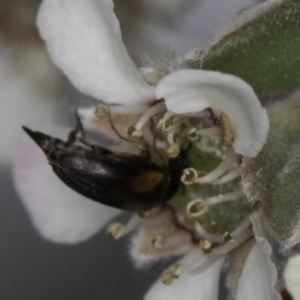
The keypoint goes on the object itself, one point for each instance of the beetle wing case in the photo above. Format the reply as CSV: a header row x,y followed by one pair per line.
x,y
123,181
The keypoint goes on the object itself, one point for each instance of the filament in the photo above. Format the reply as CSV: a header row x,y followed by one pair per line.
x,y
227,162
228,177
224,198
149,113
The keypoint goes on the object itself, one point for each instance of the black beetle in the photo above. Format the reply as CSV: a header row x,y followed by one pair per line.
x,y
124,181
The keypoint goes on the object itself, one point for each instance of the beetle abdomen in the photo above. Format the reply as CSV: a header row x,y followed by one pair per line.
x,y
113,181
119,180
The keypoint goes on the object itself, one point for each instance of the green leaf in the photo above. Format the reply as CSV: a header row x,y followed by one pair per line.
x,y
284,115
283,207
261,46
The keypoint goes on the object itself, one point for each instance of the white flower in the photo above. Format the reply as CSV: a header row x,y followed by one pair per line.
x,y
84,40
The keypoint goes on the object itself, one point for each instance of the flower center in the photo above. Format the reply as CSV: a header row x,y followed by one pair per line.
x,y
210,206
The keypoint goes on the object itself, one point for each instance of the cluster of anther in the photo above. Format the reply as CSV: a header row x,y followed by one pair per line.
x,y
177,129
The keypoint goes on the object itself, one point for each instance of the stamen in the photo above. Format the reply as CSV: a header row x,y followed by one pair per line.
x,y
227,162
149,138
174,272
149,113
192,135
196,208
147,214
165,124
173,151
228,177
167,277
224,198
175,241
238,240
242,227
133,222
206,246
189,176
227,237
168,115
177,270
116,230
158,241
134,133
212,131
228,133
214,238
102,111
170,136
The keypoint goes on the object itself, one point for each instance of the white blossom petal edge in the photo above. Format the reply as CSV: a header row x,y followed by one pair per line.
x,y
203,286
84,40
58,213
259,270
191,91
292,276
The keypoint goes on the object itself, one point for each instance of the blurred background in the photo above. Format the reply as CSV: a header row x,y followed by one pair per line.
x,y
32,92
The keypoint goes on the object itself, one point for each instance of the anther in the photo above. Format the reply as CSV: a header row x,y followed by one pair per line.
x,y
227,237
238,240
189,176
177,270
101,111
206,246
147,214
192,135
167,277
116,230
196,208
165,124
173,150
134,133
228,133
157,242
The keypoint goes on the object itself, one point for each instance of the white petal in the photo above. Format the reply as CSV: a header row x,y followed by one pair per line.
x,y
29,85
292,277
256,281
191,91
58,213
203,286
259,275
84,40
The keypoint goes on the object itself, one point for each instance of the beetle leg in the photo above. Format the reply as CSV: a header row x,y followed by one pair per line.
x,y
84,138
113,127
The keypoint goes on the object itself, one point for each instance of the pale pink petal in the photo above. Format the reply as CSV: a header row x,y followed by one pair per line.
x,y
203,286
84,40
58,213
176,242
191,91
